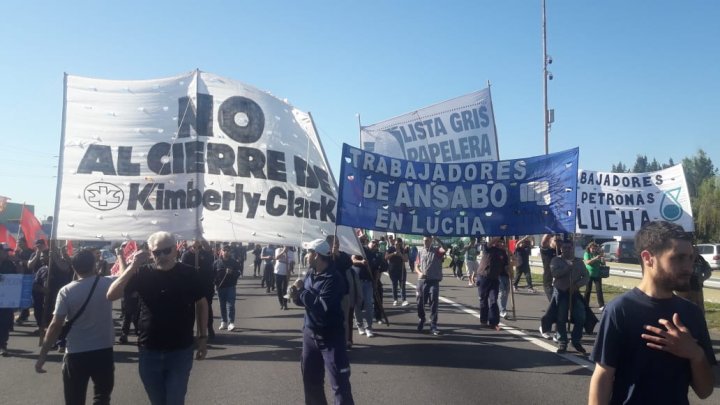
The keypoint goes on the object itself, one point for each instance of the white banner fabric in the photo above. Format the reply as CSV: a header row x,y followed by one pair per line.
x,y
197,155
460,130
617,204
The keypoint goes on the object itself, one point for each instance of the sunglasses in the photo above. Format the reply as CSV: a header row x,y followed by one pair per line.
x,y
162,252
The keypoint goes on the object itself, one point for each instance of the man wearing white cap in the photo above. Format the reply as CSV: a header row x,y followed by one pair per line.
x,y
324,343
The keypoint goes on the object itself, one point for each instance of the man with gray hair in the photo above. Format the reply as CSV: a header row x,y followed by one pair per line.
x,y
172,298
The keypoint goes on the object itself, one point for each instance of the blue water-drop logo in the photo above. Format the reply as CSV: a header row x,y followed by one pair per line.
x,y
670,208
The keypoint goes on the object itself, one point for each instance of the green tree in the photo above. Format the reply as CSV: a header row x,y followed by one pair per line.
x,y
641,164
619,168
707,220
697,169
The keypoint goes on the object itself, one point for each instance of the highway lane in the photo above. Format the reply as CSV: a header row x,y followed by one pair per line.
x,y
260,362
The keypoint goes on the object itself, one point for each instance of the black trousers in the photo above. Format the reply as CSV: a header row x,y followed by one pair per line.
x,y
6,323
79,368
281,285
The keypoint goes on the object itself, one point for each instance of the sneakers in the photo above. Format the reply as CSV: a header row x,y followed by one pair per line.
x,y
544,334
420,326
123,339
562,347
515,289
405,303
556,337
231,327
361,330
579,348
503,314
395,303
602,308
4,352
223,326
61,349
531,290
369,333
435,331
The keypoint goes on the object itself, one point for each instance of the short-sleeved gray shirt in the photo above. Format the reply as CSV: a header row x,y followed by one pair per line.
x,y
430,262
94,329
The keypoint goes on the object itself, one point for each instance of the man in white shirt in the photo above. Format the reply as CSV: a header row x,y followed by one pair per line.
x,y
284,260
89,350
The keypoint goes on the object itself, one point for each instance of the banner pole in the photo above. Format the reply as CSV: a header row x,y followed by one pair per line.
x,y
198,233
53,233
360,131
497,145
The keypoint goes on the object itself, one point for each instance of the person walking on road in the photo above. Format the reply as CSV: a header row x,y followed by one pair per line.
x,y
471,264
494,262
522,264
593,259
324,343
549,246
428,267
172,299
652,345
227,271
89,350
396,257
569,275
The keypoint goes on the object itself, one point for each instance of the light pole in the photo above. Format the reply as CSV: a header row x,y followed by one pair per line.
x,y
548,114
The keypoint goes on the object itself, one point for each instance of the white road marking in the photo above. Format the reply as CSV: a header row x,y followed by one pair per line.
x,y
521,334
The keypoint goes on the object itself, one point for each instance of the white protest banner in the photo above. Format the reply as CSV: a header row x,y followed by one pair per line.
x,y
459,130
617,204
15,290
197,155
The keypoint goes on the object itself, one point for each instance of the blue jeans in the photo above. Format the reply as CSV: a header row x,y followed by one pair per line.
x,y
428,290
366,310
578,315
322,353
226,298
165,375
488,293
503,291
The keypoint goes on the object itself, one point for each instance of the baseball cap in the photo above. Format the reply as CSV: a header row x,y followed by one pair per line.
x,y
5,247
320,246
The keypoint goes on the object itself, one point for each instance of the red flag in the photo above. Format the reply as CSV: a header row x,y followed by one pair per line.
x,y
69,247
128,251
6,237
31,228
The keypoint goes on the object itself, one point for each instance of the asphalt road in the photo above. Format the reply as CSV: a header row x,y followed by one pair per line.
x,y
259,363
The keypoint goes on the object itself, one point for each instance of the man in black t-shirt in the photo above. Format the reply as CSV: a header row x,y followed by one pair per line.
x,y
171,293
653,345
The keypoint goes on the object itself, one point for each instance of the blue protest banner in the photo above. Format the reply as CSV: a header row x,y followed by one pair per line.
x,y
509,197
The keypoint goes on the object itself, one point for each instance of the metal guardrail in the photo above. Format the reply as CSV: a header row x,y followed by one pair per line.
x,y
633,271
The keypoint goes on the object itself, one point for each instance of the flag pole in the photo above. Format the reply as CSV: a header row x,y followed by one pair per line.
x,y
17,234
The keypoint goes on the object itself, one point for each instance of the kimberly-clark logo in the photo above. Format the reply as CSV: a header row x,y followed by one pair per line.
x,y
103,196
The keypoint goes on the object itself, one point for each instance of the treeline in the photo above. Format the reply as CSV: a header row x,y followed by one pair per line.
x,y
703,184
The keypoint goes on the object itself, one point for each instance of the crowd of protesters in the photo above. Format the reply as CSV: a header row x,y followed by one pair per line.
x,y
340,293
